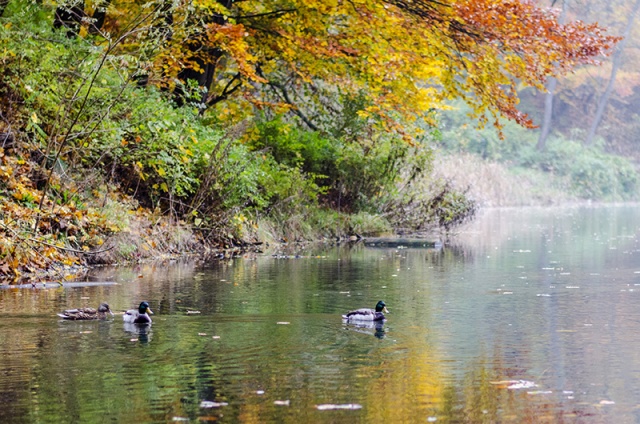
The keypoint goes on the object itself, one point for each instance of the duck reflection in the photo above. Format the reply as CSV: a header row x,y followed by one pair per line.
x,y
141,331
367,327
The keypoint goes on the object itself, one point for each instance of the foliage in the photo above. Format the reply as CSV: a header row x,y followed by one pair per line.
x,y
141,109
577,93
354,172
406,58
591,172
438,205
31,237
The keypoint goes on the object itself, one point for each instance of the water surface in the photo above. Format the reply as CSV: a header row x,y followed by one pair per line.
x,y
531,316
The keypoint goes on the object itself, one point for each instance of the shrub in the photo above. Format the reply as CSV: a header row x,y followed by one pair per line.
x,y
352,173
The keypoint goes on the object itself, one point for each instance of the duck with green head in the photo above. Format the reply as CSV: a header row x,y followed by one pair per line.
x,y
87,314
365,314
138,316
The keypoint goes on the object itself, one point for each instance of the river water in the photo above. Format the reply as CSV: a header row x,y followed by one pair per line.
x,y
531,315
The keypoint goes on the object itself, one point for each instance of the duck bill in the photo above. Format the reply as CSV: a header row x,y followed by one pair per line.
x,y
386,311
149,311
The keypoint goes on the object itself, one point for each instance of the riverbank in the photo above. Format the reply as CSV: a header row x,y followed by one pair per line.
x,y
120,231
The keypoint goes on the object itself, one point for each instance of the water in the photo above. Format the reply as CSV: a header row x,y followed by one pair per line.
x,y
531,317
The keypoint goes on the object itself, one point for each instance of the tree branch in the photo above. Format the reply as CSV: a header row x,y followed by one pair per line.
x,y
262,15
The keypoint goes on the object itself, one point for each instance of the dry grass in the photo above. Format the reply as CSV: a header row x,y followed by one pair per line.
x,y
492,184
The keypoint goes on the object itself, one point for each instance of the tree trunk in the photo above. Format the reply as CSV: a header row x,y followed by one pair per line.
x,y
617,58
548,100
69,16
3,5
99,15
207,60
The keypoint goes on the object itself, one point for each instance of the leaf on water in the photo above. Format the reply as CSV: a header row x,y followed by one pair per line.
x,y
215,337
202,334
283,323
540,392
514,384
607,402
211,404
522,384
180,419
331,406
259,392
192,312
282,402
133,340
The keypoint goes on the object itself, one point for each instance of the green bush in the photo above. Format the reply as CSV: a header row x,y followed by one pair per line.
x,y
593,173
355,173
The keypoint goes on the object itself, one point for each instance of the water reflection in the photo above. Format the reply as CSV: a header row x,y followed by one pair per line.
x,y
141,332
375,328
531,317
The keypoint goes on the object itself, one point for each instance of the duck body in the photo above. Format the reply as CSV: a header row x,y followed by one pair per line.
x,y
365,314
87,314
138,316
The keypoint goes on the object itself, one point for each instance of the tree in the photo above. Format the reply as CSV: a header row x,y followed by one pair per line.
x,y
407,57
548,100
604,99
69,14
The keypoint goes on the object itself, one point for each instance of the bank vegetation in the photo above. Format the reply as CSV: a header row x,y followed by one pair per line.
x,y
133,129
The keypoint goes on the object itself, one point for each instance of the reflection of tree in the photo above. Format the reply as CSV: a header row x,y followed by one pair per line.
x,y
409,385
483,396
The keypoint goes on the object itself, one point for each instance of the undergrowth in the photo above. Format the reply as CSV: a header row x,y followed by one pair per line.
x,y
97,167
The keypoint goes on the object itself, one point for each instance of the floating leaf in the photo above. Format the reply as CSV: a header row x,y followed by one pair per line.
x,y
211,404
331,406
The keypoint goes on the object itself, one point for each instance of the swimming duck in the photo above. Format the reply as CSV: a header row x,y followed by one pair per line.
x,y
366,314
86,314
138,316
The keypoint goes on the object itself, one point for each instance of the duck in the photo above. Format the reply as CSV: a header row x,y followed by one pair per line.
x,y
86,314
138,316
365,314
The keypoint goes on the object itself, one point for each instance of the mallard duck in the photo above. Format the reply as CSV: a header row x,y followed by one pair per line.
x,y
138,316
86,314
366,314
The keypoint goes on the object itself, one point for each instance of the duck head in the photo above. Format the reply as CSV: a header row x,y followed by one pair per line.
x,y
104,308
381,307
144,308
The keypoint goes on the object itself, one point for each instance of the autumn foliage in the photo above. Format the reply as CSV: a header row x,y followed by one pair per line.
x,y
161,100
409,57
